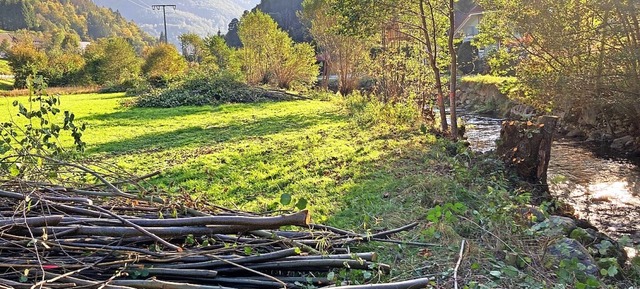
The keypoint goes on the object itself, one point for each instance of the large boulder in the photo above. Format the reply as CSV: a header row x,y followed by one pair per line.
x,y
623,142
568,249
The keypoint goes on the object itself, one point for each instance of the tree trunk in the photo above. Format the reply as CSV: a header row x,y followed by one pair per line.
x,y
454,74
526,147
432,53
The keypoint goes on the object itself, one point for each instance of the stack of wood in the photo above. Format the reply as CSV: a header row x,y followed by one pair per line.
x,y
57,237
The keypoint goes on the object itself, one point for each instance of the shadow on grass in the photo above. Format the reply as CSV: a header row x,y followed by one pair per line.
x,y
200,136
6,84
145,113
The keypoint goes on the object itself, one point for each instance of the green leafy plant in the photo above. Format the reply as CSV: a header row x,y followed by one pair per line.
x,y
37,130
286,200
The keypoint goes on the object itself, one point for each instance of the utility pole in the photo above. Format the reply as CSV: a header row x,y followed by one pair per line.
x,y
164,15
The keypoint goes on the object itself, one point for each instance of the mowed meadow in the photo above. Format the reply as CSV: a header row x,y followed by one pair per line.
x,y
246,156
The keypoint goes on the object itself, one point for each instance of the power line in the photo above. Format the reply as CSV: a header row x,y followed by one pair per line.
x,y
164,15
138,4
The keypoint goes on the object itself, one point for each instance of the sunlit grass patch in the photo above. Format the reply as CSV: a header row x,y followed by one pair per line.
x,y
4,67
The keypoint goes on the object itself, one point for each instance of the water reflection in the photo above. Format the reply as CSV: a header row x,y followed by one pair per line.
x,y
604,191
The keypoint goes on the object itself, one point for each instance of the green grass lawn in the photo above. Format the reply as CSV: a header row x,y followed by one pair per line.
x,y
4,67
246,155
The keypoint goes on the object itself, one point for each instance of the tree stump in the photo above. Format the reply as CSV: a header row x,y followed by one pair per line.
x,y
526,147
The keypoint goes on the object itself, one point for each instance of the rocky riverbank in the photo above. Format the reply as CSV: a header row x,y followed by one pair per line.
x,y
596,125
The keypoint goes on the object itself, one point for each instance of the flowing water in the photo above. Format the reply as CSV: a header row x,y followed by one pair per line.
x,y
603,189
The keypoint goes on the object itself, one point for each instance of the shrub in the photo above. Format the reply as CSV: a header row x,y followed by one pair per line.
x,y
368,110
24,60
203,89
163,63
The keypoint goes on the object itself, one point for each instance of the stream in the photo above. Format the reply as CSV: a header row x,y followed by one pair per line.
x,y
603,189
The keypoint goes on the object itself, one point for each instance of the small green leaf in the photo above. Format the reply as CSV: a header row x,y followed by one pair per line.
x,y
331,276
496,274
23,279
285,199
14,171
301,204
613,271
366,274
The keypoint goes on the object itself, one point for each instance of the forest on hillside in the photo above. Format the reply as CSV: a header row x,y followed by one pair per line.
x,y
80,17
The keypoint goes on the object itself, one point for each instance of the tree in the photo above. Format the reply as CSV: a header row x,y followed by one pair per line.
x,y
193,48
25,60
64,67
574,55
270,56
284,12
428,22
232,38
162,63
111,60
220,55
345,55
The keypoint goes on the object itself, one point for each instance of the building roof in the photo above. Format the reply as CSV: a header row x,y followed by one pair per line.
x,y
6,36
465,17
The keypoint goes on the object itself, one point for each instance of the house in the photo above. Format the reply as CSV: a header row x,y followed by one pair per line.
x,y
83,45
6,38
467,28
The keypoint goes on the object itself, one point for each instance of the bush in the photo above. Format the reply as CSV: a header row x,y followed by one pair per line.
x,y
204,89
367,110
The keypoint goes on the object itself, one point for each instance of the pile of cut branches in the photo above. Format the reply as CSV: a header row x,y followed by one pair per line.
x,y
96,235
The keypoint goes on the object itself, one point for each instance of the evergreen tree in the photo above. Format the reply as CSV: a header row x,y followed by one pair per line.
x,y
232,38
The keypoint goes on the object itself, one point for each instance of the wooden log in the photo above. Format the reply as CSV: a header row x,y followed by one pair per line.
x,y
308,265
32,222
157,284
417,283
85,283
181,272
301,218
243,260
169,232
370,256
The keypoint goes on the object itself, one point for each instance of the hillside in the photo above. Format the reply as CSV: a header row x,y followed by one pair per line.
x,y
199,16
81,17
